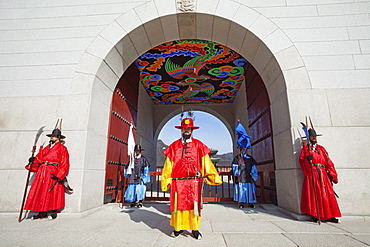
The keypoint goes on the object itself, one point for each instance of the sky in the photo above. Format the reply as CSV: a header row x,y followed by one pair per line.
x,y
212,132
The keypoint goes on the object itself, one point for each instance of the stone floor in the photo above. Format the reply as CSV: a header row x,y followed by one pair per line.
x,y
222,225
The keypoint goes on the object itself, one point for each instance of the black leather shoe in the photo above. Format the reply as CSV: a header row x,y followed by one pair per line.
x,y
52,216
40,215
197,234
176,233
314,219
251,205
36,217
241,206
334,220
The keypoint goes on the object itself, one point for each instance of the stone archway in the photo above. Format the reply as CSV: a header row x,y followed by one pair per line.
x,y
254,36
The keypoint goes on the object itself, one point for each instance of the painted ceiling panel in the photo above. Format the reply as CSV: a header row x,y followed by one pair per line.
x,y
191,72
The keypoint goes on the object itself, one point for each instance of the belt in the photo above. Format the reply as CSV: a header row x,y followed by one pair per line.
x,y
188,178
318,165
50,163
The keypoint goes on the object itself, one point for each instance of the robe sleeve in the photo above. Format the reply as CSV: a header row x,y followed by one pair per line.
x,y
330,167
166,178
254,173
209,170
235,166
235,170
146,175
63,165
303,162
127,174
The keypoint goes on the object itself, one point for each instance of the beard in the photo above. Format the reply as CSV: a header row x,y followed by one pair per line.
x,y
313,142
51,142
186,136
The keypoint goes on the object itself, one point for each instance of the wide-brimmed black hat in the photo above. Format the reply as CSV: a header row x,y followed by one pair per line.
x,y
138,147
56,132
312,132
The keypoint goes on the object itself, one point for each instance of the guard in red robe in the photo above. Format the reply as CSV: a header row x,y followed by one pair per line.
x,y
187,165
319,170
51,165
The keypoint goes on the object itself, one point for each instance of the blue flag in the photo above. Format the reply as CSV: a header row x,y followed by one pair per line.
x,y
304,127
243,137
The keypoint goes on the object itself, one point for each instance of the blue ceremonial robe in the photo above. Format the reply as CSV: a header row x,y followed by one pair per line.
x,y
247,174
139,176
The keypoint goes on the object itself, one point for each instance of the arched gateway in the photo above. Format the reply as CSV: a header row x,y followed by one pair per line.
x,y
242,29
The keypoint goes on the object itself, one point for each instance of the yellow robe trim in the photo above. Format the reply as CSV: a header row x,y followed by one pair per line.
x,y
186,220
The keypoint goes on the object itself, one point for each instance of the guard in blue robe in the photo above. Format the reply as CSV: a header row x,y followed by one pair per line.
x,y
245,174
139,176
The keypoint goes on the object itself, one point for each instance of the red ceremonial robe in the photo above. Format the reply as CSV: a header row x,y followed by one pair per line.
x,y
39,199
187,162
322,167
184,161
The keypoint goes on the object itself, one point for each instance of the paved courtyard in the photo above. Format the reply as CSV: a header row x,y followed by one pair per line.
x,y
222,225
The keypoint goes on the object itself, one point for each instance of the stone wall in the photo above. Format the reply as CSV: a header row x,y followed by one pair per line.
x,y
63,60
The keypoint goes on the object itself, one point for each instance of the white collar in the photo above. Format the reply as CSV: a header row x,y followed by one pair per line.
x,y
187,140
52,145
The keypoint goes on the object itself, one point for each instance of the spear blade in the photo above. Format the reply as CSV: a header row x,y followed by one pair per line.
x,y
38,134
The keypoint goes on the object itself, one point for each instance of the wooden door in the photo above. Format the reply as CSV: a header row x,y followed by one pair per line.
x,y
123,115
260,128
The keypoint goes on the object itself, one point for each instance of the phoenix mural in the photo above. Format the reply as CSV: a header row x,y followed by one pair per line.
x,y
191,72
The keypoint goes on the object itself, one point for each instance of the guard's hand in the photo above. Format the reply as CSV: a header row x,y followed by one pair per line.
x,y
309,157
31,159
55,178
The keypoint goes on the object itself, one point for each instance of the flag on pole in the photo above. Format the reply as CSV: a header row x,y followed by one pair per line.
x,y
243,137
130,150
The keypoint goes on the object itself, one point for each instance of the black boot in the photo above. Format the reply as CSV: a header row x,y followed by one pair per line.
x,y
140,204
52,216
133,204
334,220
176,233
314,219
197,234
40,215
36,217
251,205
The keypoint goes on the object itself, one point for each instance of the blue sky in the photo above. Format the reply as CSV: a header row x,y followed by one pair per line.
x,y
212,132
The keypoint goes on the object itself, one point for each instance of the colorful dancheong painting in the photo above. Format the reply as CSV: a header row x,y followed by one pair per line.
x,y
191,72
